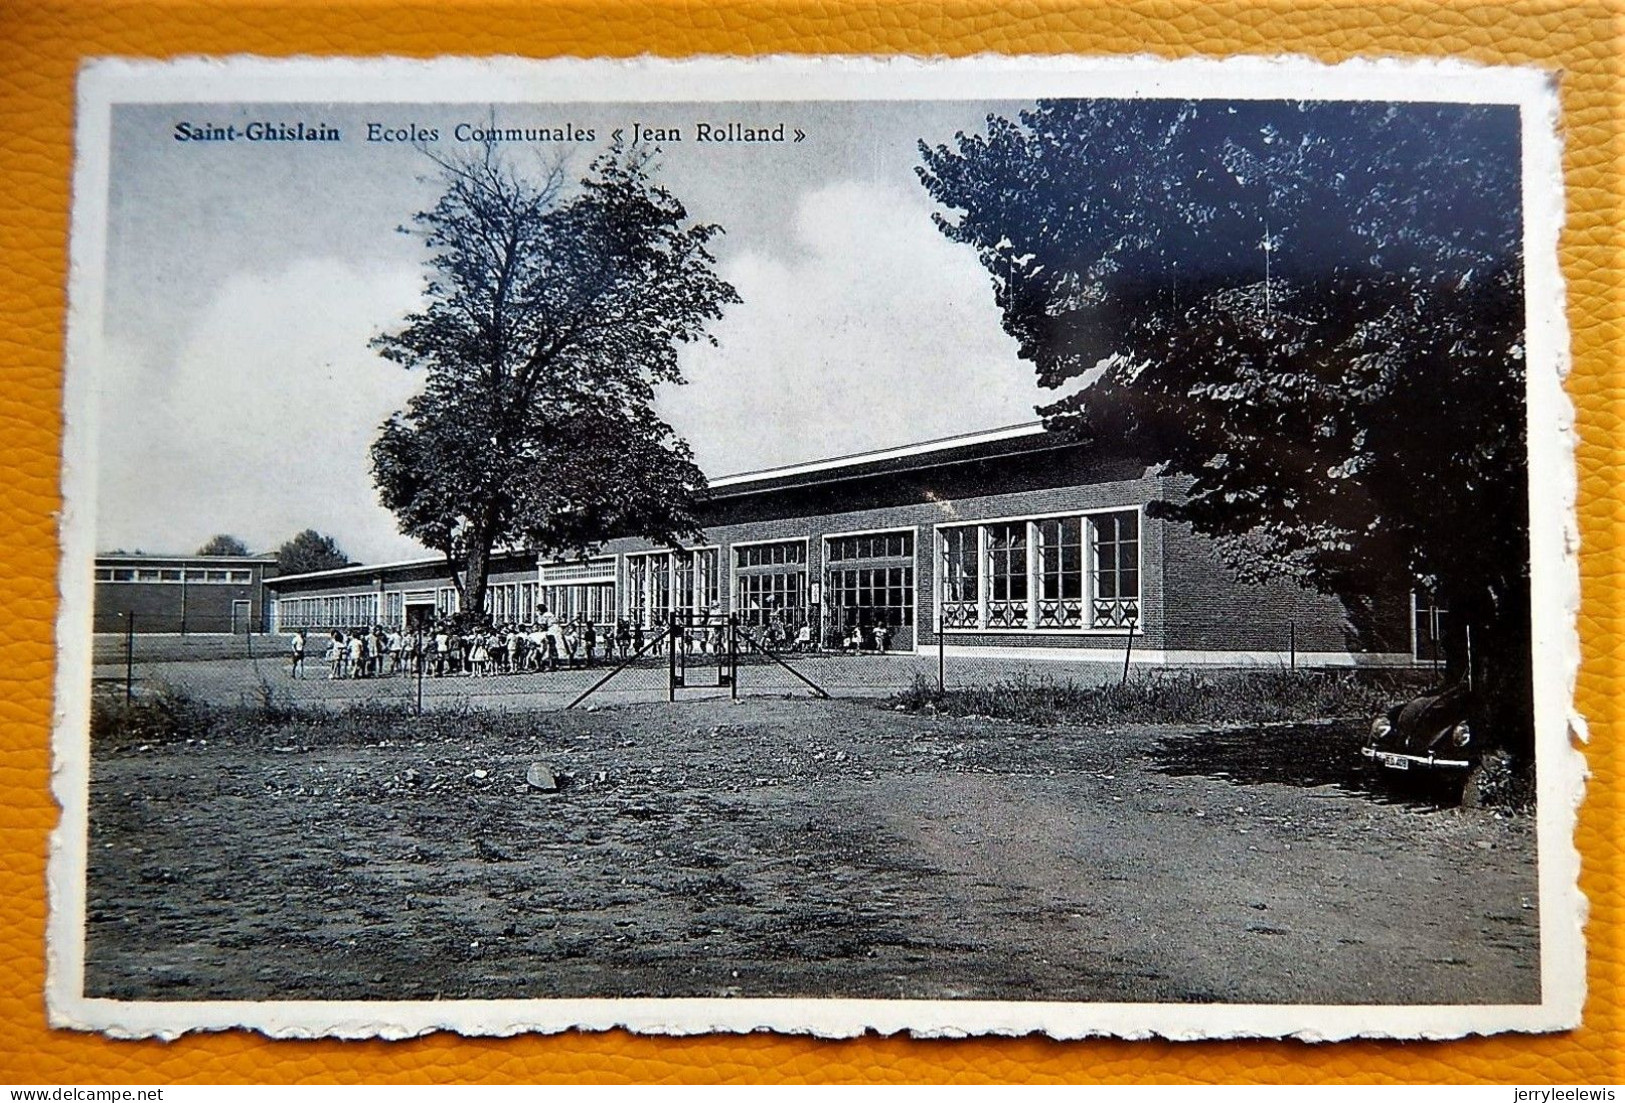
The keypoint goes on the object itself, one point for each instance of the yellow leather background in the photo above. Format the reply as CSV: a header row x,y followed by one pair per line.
x,y
41,45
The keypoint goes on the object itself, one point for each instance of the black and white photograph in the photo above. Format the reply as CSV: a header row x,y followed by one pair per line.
x,y
994,546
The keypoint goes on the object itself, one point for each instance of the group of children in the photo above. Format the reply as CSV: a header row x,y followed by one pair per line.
x,y
441,649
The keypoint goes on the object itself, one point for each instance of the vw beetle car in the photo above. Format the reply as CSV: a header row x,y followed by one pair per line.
x,y
1430,733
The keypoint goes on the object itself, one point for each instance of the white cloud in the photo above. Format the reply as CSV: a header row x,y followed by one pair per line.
x,y
871,330
865,328
261,425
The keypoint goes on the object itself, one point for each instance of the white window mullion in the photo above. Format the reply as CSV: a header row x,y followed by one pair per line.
x,y
1091,569
1033,562
984,576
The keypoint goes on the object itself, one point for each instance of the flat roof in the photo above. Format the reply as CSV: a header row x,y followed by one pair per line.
x,y
922,450
372,568
1011,440
146,557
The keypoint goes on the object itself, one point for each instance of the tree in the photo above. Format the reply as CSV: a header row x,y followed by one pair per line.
x,y
553,312
309,551
223,544
1312,314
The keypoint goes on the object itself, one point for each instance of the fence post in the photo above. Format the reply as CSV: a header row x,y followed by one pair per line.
x,y
1128,649
129,657
671,658
733,655
419,661
942,656
1292,642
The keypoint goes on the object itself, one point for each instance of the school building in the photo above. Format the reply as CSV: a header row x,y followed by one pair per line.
x,y
1010,542
183,594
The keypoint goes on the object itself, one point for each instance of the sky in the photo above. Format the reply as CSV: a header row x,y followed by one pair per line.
x,y
237,391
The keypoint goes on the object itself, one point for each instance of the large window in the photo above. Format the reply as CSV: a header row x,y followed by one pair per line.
x,y
869,596
1007,575
764,598
771,584
697,585
1021,575
1116,546
961,577
688,580
869,582
1060,572
594,601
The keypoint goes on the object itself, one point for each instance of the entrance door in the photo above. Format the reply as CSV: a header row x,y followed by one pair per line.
x,y
241,616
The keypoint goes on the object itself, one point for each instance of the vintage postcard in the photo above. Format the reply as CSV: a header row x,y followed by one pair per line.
x,y
822,545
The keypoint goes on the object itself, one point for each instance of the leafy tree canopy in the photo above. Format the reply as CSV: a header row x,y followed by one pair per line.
x,y
1310,313
223,544
310,551
553,312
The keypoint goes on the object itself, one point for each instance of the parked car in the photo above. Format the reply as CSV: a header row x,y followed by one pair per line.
x,y
1430,733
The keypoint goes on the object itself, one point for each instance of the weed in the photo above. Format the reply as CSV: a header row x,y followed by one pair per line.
x,y
1177,696
1502,783
163,716
267,719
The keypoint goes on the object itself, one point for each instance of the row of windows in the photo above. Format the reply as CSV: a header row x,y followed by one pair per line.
x,y
512,602
886,545
1045,573
1050,573
193,575
344,611
771,555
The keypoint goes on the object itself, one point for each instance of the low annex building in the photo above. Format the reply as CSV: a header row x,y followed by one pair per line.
x,y
183,594
1012,541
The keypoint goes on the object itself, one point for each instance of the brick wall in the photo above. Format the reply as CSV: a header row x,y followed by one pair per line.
x,y
158,607
1209,609
919,504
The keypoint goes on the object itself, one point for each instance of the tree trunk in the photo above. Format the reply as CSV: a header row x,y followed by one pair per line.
x,y
476,569
1502,676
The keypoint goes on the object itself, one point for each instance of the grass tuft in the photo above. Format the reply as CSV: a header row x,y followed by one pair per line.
x,y
168,715
1167,697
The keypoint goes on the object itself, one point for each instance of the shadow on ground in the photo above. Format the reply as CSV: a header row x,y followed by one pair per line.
x,y
1305,756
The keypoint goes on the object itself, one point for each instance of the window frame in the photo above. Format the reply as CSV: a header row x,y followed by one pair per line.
x,y
805,568
623,593
885,562
980,526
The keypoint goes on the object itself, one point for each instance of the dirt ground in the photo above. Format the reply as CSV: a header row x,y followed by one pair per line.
x,y
777,847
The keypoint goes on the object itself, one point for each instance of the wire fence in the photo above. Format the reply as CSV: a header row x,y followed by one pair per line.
x,y
418,671
436,670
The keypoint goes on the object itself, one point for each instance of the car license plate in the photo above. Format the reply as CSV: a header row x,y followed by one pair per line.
x,y
1394,761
